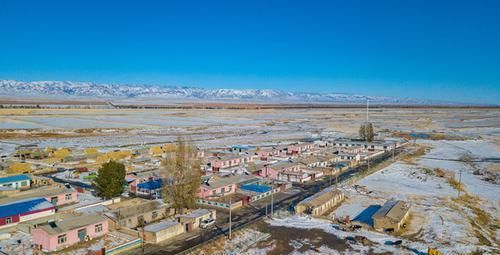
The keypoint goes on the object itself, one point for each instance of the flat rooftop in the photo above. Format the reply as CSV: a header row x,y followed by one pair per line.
x,y
162,225
59,227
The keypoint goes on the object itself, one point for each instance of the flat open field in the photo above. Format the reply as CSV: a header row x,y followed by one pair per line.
x,y
208,127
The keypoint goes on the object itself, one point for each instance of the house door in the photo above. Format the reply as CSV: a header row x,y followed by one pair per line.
x,y
82,233
188,227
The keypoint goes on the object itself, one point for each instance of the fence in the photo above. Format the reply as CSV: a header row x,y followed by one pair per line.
x,y
105,202
234,205
263,195
124,247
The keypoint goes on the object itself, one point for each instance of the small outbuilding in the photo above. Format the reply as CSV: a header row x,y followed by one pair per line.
x,y
192,220
391,216
321,202
21,181
162,231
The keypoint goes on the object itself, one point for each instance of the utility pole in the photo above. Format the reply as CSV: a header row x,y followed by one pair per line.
x,y
366,135
459,181
272,204
394,153
331,176
142,236
230,220
267,205
367,106
337,180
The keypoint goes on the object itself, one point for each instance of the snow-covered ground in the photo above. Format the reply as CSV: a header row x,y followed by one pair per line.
x,y
18,243
436,220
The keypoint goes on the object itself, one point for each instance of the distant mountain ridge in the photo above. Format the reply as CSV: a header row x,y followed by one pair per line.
x,y
102,90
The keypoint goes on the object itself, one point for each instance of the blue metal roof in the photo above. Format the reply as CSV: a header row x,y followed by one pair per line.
x,y
14,178
24,206
256,188
151,184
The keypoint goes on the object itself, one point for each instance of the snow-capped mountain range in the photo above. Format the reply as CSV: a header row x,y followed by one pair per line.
x,y
116,91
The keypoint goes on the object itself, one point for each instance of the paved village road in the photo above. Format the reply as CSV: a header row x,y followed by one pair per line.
x,y
250,214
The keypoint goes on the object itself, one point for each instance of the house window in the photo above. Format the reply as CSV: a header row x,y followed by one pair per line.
x,y
61,239
213,192
222,190
8,220
98,228
154,215
24,183
68,196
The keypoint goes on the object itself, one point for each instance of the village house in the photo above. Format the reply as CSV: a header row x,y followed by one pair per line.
x,y
299,148
256,190
33,153
297,177
266,153
163,230
321,143
193,219
217,186
57,235
374,145
315,161
145,187
56,194
137,212
314,173
21,181
242,148
231,160
321,202
391,216
25,210
272,171
356,157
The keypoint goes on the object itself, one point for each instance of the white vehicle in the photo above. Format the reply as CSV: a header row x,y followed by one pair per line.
x,y
207,223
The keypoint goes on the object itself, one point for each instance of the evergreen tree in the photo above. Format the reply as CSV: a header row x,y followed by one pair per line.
x,y
110,180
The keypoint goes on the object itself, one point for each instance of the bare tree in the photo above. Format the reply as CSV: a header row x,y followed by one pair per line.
x,y
366,132
181,175
362,132
369,132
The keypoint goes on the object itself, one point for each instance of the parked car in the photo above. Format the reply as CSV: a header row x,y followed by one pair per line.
x,y
207,223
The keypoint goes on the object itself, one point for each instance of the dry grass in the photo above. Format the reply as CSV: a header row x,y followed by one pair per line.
x,y
431,136
418,152
481,220
439,172
455,184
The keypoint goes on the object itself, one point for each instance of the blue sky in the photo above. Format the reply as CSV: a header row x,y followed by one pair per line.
x,y
447,50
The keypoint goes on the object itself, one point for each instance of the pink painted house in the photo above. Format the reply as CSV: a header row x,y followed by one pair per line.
x,y
265,154
272,171
299,148
56,194
228,161
55,236
62,197
221,186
